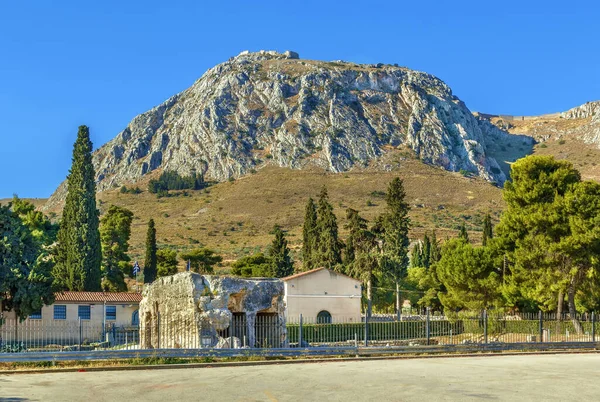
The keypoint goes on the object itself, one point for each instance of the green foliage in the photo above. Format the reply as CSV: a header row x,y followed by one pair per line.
x,y
469,275
166,261
550,233
25,269
202,260
395,224
78,254
328,246
309,235
279,254
132,190
170,180
463,234
488,233
253,266
42,230
150,262
115,230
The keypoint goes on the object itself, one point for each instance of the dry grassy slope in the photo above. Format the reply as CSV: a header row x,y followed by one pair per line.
x,y
235,218
555,137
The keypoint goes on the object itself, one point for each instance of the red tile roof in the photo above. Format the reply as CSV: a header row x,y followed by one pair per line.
x,y
95,297
312,271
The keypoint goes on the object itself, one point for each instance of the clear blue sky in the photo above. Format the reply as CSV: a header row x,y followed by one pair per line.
x,y
100,63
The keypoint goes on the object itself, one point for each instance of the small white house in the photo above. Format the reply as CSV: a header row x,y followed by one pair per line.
x,y
322,295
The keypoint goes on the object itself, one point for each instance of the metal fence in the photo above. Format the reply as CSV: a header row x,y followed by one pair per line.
x,y
270,332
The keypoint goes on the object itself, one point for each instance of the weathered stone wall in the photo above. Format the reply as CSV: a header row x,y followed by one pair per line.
x,y
187,310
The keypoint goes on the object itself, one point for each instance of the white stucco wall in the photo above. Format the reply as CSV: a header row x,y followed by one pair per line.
x,y
323,290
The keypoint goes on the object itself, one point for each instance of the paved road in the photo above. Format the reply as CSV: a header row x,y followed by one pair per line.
x,y
509,378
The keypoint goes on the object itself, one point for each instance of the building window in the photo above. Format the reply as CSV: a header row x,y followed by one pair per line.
x,y
111,312
36,315
135,318
324,317
84,312
60,312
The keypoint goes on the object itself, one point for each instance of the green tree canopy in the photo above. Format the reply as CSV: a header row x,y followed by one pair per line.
x,y
25,278
279,254
488,233
78,254
115,230
253,266
166,262
549,232
202,260
470,277
329,247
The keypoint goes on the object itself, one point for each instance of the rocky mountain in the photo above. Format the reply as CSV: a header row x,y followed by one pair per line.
x,y
274,108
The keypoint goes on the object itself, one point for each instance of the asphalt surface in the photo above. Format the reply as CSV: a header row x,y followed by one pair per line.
x,y
507,378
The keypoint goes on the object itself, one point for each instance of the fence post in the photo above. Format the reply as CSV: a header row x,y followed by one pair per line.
x,y
485,327
593,327
80,334
367,329
231,332
541,326
300,333
427,329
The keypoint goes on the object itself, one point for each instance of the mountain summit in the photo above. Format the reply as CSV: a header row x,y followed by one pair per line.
x,y
270,107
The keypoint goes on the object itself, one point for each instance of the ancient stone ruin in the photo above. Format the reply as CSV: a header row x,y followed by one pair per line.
x,y
189,310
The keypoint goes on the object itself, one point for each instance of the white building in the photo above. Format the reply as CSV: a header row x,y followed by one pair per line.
x,y
322,295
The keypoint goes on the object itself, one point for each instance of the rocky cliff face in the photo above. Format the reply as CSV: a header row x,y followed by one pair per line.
x,y
268,107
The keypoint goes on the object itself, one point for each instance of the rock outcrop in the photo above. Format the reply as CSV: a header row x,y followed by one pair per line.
x,y
268,107
188,310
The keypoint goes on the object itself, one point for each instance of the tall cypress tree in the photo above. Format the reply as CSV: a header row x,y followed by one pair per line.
x,y
395,235
426,251
309,235
487,229
78,252
329,248
150,261
280,255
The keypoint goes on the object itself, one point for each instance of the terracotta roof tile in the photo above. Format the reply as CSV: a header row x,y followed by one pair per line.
x,y
89,297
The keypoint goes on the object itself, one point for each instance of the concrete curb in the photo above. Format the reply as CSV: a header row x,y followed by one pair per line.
x,y
287,361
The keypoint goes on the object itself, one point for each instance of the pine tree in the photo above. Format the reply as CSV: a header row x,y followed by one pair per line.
x,y
487,229
309,235
279,255
150,260
329,248
395,235
115,230
78,252
462,234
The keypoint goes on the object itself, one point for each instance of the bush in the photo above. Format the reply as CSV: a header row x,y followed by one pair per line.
x,y
561,142
173,181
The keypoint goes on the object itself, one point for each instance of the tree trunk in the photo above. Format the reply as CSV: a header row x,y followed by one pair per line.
x,y
369,297
572,311
398,306
559,305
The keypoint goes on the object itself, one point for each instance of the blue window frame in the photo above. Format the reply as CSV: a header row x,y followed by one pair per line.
x,y
60,312
84,312
36,315
111,312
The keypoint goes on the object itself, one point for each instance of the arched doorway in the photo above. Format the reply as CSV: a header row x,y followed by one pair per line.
x,y
135,318
324,317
